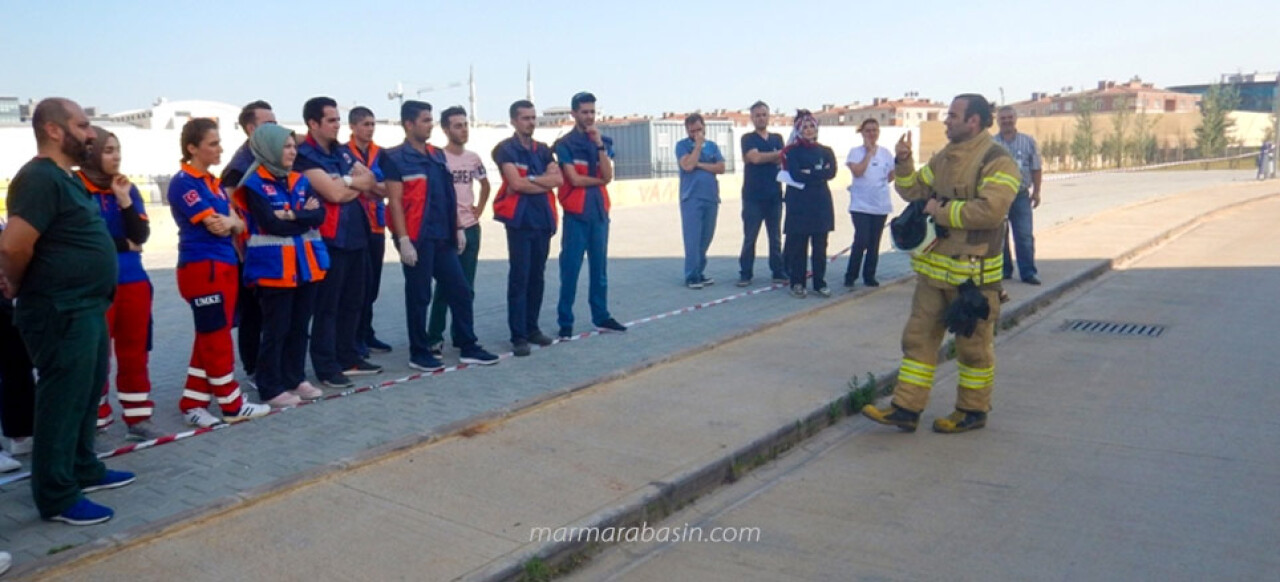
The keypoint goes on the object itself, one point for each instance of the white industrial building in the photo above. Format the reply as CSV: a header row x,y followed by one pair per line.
x,y
165,114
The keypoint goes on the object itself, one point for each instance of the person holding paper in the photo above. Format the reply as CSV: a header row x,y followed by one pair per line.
x,y
809,216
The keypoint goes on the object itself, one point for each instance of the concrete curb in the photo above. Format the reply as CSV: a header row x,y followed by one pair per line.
x,y
650,504
661,499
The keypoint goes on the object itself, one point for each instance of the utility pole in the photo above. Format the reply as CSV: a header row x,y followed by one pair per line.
x,y
471,103
528,81
397,94
1275,131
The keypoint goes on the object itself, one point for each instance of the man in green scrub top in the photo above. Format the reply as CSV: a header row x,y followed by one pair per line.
x,y
58,261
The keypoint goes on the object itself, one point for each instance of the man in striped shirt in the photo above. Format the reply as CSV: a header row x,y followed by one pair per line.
x,y
1027,155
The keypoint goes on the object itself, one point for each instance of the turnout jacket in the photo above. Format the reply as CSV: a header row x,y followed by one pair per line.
x,y
976,180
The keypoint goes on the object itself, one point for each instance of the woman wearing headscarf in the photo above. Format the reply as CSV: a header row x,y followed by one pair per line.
x,y
808,200
129,317
284,258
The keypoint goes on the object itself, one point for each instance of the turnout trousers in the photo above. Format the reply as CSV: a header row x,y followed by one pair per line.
x,y
922,338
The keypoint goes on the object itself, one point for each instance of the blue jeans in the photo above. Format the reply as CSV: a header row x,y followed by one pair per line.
x,y
1024,240
590,238
698,226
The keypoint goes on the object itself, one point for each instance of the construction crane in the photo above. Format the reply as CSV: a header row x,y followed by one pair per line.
x,y
398,93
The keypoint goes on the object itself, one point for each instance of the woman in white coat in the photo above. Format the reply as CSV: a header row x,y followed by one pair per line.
x,y
869,202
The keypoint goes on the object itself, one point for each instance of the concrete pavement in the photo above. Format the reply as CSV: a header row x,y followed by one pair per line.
x,y
194,479
1106,458
645,276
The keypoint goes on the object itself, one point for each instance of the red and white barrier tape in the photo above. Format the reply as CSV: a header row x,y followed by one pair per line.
x,y
164,440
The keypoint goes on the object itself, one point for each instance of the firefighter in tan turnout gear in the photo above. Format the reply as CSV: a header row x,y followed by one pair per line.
x,y
969,186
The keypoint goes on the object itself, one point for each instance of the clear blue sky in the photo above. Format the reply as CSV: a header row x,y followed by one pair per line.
x,y
638,57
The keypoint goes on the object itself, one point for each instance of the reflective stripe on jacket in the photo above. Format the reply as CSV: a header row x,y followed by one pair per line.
x,y
280,261
976,180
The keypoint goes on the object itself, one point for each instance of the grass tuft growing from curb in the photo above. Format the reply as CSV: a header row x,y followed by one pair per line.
x,y
535,570
862,394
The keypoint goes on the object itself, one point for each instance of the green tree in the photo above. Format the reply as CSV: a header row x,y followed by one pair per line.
x,y
1115,147
1083,144
1051,152
1064,150
1109,152
1143,147
1216,122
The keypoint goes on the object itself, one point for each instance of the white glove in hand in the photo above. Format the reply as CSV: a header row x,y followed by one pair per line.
x,y
408,254
462,241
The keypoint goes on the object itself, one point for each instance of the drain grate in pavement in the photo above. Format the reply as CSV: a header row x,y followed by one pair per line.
x,y
1113,328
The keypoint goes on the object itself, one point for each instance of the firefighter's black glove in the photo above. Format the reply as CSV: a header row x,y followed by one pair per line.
x,y
967,310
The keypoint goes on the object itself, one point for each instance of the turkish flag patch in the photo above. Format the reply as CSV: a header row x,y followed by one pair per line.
x,y
191,198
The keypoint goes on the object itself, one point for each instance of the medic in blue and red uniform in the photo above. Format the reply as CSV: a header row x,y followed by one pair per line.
x,y
423,210
528,210
207,278
129,317
331,170
376,213
586,162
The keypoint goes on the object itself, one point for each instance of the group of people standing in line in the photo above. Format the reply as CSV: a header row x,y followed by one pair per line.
x,y
805,167
287,245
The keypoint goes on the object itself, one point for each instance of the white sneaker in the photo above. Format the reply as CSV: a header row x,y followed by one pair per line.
x,y
5,561
143,431
201,418
20,446
7,464
308,391
248,410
